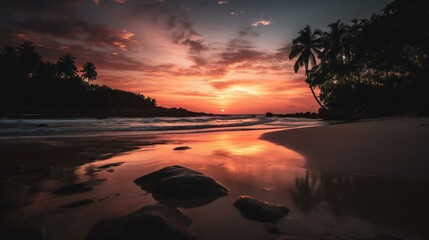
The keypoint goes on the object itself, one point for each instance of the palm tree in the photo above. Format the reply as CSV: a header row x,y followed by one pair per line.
x,y
332,41
306,45
89,72
66,66
28,59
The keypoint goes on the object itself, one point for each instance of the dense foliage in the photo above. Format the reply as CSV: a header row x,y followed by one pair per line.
x,y
29,85
374,67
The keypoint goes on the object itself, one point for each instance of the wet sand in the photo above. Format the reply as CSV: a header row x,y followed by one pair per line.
x,y
323,204
396,147
69,151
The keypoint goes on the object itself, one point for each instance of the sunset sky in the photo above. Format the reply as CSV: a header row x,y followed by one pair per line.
x,y
203,55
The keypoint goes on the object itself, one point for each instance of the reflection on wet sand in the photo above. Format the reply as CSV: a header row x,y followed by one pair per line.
x,y
386,201
322,205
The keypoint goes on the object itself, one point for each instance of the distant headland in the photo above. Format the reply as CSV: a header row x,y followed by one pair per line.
x,y
32,88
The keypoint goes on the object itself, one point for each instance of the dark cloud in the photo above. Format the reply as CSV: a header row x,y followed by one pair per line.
x,y
181,31
75,29
195,46
248,32
58,19
40,7
239,56
283,52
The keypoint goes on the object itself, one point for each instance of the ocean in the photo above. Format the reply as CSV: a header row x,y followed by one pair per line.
x,y
82,126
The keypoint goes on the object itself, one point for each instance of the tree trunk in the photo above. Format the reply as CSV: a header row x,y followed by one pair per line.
x,y
317,99
312,91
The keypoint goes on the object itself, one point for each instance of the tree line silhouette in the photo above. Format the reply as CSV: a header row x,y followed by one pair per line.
x,y
374,67
30,85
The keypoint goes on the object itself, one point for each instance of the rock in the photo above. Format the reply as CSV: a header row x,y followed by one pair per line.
x,y
79,187
180,186
110,165
79,203
181,148
256,210
151,222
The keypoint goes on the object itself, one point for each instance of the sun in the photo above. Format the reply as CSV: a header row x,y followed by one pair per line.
x,y
222,110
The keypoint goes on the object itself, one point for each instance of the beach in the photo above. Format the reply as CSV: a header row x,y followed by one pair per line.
x,y
395,147
325,201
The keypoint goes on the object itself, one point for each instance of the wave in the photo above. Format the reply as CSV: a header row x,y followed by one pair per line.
x,y
36,127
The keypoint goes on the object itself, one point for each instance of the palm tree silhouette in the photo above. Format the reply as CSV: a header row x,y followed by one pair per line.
x,y
89,72
305,45
66,66
28,58
332,41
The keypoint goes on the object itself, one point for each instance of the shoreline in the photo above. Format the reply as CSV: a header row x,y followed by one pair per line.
x,y
391,147
240,160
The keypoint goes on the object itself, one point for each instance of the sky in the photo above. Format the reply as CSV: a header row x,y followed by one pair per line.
x,y
202,55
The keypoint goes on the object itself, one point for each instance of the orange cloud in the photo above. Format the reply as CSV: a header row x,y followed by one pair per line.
x,y
262,22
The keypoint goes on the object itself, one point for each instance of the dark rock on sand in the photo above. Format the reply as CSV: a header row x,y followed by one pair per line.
x,y
79,203
180,186
256,210
110,165
79,187
156,222
181,148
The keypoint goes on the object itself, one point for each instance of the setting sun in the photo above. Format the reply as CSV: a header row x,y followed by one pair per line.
x,y
222,110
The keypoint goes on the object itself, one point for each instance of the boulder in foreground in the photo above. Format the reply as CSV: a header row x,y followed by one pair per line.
x,y
156,222
257,210
180,186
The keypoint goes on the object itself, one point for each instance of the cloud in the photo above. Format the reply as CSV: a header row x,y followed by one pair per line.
x,y
222,2
263,22
239,56
248,32
237,12
59,21
222,85
195,46
178,27
76,30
